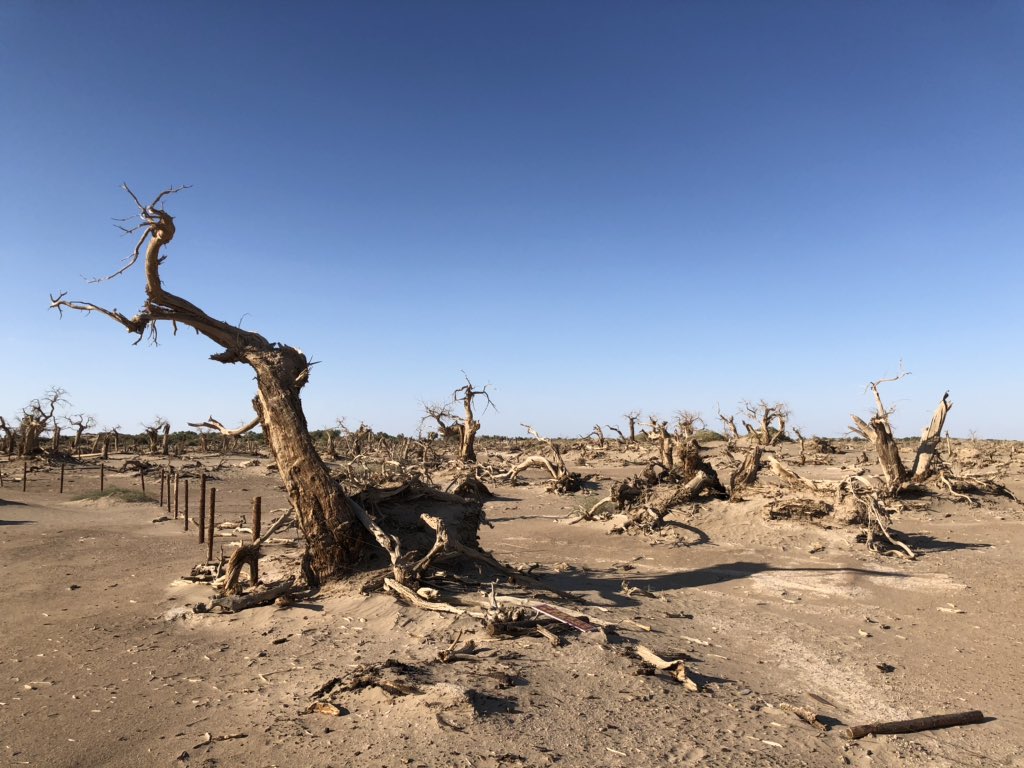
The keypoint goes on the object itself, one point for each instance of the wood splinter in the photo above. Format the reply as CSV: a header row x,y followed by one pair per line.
x,y
915,725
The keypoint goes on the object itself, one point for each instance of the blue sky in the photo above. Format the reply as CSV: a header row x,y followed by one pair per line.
x,y
592,207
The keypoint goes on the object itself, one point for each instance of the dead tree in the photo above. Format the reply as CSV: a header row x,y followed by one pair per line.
x,y
562,480
878,431
729,427
617,431
687,423
445,418
770,420
335,538
153,430
632,418
9,437
660,433
81,423
37,417
468,425
599,434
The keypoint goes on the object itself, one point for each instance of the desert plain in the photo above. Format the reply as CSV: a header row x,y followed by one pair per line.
x,y
109,657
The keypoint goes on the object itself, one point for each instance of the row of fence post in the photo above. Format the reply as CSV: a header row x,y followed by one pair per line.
x,y
171,482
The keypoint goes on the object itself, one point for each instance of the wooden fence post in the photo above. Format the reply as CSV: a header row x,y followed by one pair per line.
x,y
202,507
209,533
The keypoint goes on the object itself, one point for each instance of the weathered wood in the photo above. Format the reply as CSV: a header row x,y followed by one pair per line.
x,y
411,596
247,554
921,469
792,478
235,603
202,507
746,472
916,724
879,433
210,532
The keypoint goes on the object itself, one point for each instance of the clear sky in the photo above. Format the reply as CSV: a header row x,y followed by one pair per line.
x,y
592,207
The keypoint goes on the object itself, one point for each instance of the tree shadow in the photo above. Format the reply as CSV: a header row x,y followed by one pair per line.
x,y
11,503
702,538
16,522
608,584
920,542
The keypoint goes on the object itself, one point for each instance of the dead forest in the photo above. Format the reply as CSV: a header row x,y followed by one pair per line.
x,y
402,517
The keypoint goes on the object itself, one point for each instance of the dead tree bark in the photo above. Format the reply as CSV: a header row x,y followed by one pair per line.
x,y
81,423
562,480
212,423
335,538
469,426
632,417
9,437
153,431
930,437
878,432
746,472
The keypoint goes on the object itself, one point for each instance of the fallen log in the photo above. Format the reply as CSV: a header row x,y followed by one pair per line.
x,y
236,603
915,725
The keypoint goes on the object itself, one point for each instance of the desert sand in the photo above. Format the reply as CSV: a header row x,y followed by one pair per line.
x,y
104,660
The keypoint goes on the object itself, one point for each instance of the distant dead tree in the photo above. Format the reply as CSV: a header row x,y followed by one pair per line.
x,y
660,432
687,423
335,537
445,419
82,424
101,442
8,437
729,427
38,416
464,427
770,420
617,431
153,431
631,418
599,434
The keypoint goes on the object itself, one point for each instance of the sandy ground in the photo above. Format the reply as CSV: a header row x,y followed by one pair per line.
x,y
103,662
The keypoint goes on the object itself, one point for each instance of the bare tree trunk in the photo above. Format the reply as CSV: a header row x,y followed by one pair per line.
x,y
930,441
879,433
166,438
746,472
467,435
336,539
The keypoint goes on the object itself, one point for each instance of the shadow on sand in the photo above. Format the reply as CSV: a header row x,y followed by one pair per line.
x,y
609,584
